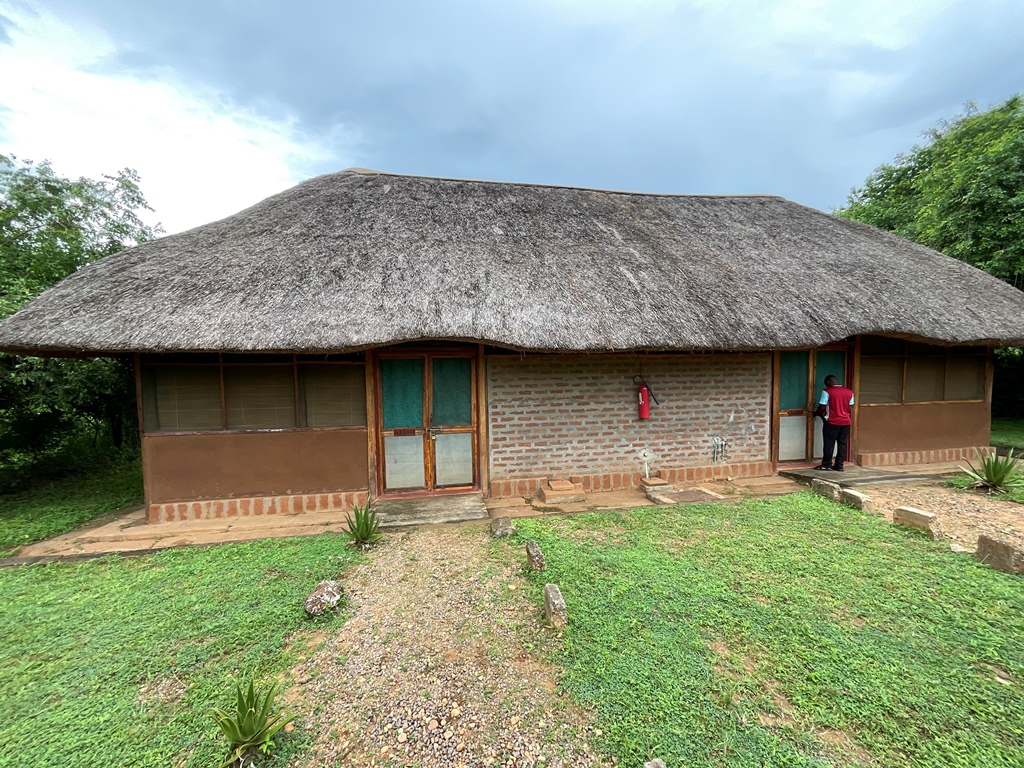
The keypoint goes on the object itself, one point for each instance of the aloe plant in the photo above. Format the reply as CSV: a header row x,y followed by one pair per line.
x,y
363,527
997,474
250,727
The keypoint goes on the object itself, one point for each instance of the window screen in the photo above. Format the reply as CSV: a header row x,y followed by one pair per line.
x,y
260,397
333,395
182,399
965,378
925,377
881,380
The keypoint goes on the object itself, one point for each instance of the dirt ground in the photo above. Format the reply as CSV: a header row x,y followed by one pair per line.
x,y
963,515
438,665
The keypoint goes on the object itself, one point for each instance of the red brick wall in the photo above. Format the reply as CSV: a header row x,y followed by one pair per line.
x,y
562,416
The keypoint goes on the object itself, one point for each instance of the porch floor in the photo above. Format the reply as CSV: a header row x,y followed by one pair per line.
x,y
853,475
129,533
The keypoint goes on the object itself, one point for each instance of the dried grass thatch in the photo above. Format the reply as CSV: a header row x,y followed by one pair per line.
x,y
358,259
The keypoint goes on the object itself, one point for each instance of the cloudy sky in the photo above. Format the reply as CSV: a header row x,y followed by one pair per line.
x,y
219,103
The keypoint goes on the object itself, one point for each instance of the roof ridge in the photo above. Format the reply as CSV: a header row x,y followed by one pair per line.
x,y
374,172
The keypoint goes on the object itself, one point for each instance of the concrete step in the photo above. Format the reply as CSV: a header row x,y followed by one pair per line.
x,y
431,510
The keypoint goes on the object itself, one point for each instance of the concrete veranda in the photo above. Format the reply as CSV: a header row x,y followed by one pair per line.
x,y
129,533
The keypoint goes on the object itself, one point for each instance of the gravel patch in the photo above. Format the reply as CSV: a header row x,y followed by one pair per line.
x,y
962,515
439,664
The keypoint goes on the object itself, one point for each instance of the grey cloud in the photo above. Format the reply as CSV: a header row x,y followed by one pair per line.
x,y
507,91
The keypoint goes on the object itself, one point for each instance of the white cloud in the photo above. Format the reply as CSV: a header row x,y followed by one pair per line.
x,y
200,157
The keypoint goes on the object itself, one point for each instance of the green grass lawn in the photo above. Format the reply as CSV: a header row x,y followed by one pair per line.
x,y
1008,432
118,661
791,632
63,505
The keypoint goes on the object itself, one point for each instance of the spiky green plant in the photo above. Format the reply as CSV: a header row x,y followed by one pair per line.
x,y
995,473
363,526
250,727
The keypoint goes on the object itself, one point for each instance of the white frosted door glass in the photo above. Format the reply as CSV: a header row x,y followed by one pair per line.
x,y
819,441
453,458
792,438
403,462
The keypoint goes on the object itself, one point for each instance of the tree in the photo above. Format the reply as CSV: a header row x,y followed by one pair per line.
x,y
961,192
49,227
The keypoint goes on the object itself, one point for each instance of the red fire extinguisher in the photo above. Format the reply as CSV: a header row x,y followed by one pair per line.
x,y
644,396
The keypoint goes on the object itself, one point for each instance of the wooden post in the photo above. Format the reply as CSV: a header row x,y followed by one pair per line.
x,y
483,445
372,427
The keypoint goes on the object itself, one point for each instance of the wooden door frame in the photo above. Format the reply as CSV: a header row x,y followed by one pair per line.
x,y
851,348
378,461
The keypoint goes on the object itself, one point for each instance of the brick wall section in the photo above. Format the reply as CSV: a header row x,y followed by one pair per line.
x,y
213,509
560,417
896,458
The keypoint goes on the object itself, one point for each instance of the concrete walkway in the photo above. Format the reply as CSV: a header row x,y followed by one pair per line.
x,y
129,533
853,475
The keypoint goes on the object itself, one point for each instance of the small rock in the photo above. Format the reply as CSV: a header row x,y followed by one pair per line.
x,y
456,711
326,596
402,738
655,763
919,519
1001,555
432,725
502,526
534,557
554,606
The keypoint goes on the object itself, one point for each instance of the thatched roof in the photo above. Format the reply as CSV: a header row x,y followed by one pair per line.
x,y
358,259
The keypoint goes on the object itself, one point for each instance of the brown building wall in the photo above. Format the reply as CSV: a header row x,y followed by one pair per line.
x,y
564,416
923,426
227,465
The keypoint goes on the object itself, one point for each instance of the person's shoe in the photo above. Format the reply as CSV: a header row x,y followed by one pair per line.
x,y
838,469
823,467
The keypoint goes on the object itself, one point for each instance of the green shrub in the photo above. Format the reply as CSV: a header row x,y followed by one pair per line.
x,y
363,526
997,474
250,727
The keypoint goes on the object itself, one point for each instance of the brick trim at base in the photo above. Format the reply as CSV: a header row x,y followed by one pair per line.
x,y
896,458
614,481
214,509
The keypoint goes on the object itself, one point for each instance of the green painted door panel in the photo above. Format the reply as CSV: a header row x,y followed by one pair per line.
x,y
452,392
402,392
793,370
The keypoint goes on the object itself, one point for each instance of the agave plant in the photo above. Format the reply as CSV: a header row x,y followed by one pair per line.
x,y
997,474
363,527
250,727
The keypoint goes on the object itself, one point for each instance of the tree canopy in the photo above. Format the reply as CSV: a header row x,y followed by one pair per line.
x,y
961,192
49,227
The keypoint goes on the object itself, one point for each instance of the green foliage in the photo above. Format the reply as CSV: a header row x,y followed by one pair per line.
x,y
51,226
1009,432
962,192
363,527
118,661
995,473
251,725
789,632
62,506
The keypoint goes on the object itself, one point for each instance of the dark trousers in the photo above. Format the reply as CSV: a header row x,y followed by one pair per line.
x,y
832,434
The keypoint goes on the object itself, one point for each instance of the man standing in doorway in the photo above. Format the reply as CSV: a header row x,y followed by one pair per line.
x,y
834,410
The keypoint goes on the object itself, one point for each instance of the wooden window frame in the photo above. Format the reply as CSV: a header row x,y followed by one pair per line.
x,y
225,361
945,353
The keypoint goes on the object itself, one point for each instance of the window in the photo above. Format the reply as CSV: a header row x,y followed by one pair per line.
x,y
898,371
200,393
332,395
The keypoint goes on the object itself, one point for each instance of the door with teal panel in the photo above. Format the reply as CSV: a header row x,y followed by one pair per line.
x,y
801,380
428,425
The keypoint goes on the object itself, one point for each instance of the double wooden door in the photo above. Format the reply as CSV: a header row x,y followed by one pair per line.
x,y
428,422
801,380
